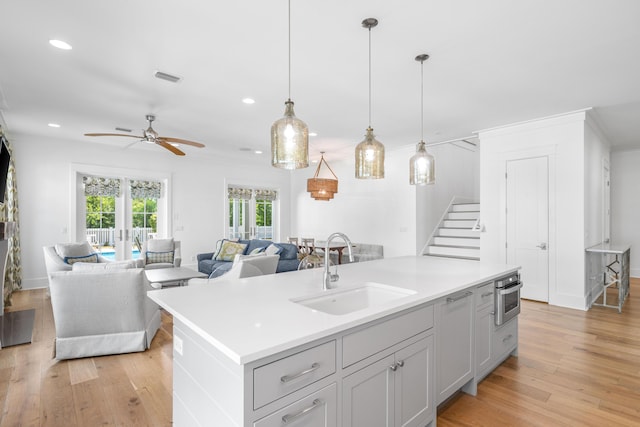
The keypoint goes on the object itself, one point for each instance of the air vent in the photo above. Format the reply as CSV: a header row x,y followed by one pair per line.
x,y
124,130
168,77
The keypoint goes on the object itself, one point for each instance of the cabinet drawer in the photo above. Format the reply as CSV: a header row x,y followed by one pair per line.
x,y
284,376
484,295
505,338
364,343
316,410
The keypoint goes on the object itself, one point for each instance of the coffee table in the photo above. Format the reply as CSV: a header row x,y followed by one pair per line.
x,y
161,277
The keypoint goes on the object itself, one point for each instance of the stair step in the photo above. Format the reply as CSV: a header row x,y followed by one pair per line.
x,y
459,223
458,232
464,215
463,207
453,251
455,257
467,242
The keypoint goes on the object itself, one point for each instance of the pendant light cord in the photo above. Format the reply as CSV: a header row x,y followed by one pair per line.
x,y
422,101
289,35
369,76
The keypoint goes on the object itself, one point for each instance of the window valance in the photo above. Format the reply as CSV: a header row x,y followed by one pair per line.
x,y
262,194
100,186
240,193
146,189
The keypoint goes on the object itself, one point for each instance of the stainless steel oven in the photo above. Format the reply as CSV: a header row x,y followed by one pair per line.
x,y
507,298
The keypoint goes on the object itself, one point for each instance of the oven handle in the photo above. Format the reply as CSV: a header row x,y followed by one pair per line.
x,y
509,290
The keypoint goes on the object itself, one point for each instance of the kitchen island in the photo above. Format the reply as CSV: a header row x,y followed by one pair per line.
x,y
247,354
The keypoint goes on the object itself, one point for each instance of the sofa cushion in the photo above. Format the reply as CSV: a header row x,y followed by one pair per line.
x,y
66,250
116,265
229,250
289,251
91,258
160,245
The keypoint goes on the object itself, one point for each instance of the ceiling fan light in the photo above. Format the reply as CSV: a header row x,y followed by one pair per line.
x,y
422,166
289,141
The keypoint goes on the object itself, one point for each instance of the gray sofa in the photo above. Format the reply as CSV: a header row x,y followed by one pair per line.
x,y
215,268
102,311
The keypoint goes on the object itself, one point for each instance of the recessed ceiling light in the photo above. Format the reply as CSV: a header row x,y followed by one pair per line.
x,y
313,134
258,152
60,44
314,161
54,125
175,144
249,101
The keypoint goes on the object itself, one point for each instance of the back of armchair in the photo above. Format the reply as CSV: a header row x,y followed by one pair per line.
x,y
161,253
102,312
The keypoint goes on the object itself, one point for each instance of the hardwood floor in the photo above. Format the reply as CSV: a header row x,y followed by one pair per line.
x,y
574,368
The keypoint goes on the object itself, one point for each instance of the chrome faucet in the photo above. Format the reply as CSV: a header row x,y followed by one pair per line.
x,y
327,277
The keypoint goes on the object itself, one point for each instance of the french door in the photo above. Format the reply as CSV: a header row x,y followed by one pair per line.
x,y
251,213
117,214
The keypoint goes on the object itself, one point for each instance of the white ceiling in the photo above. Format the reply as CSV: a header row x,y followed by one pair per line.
x,y
493,62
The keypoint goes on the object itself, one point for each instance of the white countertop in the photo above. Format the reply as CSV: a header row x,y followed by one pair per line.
x,y
248,319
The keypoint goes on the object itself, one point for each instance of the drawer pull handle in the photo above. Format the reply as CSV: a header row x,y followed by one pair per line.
x,y
393,367
458,298
400,363
287,378
507,338
486,294
291,417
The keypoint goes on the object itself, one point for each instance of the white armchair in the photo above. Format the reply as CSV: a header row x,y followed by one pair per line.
x,y
54,256
246,266
99,312
160,253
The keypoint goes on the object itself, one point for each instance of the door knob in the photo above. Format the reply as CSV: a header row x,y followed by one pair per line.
x,y
542,246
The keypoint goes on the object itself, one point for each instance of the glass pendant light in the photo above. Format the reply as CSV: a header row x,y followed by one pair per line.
x,y
422,164
289,135
370,152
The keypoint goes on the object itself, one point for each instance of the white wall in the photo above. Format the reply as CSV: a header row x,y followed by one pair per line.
x,y
575,150
625,203
198,193
388,211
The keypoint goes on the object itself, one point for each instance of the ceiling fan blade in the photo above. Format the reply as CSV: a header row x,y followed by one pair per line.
x,y
113,134
170,147
181,141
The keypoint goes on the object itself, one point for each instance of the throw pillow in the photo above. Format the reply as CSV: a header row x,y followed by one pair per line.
x,y
229,250
241,257
219,243
273,249
158,257
257,251
65,250
92,258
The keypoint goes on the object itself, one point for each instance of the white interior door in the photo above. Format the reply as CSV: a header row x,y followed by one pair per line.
x,y
528,223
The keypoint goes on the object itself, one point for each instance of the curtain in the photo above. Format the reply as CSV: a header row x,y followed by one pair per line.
x,y
9,213
99,186
146,189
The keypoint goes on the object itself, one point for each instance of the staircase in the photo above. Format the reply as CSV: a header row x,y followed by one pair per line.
x,y
457,235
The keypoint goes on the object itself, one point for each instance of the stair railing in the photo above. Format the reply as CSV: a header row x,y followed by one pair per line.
x,y
435,230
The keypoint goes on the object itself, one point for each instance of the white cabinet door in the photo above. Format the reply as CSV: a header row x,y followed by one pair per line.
x,y
454,343
414,385
484,337
367,396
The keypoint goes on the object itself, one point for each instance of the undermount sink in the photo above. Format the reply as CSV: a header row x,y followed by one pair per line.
x,y
353,298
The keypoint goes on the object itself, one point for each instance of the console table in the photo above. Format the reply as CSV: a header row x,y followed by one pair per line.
x,y
615,273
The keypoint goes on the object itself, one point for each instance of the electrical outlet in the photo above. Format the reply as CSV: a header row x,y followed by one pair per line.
x,y
193,258
177,344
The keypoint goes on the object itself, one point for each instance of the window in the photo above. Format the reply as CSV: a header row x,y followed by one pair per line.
x,y
101,220
251,213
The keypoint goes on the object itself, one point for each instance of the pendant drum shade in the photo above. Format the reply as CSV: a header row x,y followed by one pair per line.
x,y
289,141
322,188
370,157
421,166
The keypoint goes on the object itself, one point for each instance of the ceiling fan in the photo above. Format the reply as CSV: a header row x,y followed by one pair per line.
x,y
152,137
